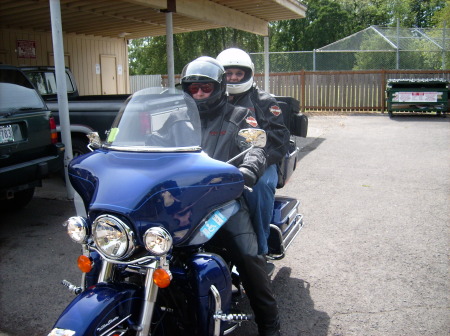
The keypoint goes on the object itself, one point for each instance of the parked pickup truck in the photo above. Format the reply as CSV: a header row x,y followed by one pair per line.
x,y
87,113
29,147
97,113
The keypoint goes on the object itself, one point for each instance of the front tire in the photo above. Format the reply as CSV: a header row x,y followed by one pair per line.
x,y
174,315
79,146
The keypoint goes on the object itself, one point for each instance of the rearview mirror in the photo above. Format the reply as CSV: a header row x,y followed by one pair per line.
x,y
94,140
253,136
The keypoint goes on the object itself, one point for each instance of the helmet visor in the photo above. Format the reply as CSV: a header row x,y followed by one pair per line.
x,y
198,70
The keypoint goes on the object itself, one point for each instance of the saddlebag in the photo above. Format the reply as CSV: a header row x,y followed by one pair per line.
x,y
297,124
295,121
286,224
287,165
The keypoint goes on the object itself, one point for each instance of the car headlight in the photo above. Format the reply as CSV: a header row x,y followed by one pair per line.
x,y
157,240
77,229
113,237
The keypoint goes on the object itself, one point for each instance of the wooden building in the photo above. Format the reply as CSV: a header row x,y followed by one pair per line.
x,y
95,33
99,64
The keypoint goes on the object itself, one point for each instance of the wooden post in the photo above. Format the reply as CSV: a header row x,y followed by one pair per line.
x,y
302,91
383,90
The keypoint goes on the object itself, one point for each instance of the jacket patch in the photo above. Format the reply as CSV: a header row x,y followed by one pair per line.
x,y
251,121
216,133
275,110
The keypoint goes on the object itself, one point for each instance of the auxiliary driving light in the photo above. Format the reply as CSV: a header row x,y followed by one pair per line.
x,y
157,240
77,229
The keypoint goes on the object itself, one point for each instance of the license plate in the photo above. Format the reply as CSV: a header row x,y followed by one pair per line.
x,y
6,134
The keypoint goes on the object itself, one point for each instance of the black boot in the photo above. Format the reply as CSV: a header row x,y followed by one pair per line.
x,y
256,283
271,332
270,268
238,237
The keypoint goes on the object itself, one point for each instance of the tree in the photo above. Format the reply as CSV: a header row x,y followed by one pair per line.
x,y
326,21
415,13
148,55
365,13
442,16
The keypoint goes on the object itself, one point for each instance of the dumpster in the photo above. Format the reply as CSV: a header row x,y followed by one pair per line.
x,y
417,95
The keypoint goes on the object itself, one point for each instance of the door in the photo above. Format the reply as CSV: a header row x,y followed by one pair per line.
x,y
109,75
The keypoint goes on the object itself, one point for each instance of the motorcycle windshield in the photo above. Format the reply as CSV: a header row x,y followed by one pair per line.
x,y
152,171
156,122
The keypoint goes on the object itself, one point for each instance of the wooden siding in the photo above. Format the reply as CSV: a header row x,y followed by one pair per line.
x,y
345,91
82,53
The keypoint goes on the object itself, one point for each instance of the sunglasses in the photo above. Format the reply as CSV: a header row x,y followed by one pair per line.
x,y
206,88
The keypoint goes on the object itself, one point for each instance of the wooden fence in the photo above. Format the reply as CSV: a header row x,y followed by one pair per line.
x,y
339,91
345,91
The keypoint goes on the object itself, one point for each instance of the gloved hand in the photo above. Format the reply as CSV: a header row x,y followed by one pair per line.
x,y
249,177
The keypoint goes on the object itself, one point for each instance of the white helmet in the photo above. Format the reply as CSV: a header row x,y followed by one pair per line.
x,y
237,58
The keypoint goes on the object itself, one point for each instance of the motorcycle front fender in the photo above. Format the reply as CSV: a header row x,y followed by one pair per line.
x,y
100,309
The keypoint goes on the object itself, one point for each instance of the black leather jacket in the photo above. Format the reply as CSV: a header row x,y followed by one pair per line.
x,y
220,141
270,119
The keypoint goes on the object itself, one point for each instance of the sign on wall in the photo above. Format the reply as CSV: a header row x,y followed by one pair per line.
x,y
26,49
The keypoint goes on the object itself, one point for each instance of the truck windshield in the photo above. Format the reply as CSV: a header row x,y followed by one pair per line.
x,y
45,82
153,122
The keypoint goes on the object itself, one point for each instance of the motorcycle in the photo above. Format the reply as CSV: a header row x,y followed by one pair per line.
x,y
148,201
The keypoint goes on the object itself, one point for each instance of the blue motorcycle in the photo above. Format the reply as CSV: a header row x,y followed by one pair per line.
x,y
148,202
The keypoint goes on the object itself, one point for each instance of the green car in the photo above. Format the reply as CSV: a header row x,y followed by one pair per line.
x,y
29,147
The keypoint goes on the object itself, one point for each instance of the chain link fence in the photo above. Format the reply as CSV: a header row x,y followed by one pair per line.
x,y
347,60
373,48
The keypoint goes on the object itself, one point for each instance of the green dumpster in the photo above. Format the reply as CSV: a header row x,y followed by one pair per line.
x,y
417,95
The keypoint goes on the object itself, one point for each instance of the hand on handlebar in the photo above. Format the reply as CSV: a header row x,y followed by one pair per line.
x,y
249,177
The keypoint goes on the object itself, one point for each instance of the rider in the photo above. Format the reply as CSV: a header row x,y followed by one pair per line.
x,y
244,92
204,79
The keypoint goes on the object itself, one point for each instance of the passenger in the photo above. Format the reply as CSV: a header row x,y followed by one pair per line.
x,y
205,80
244,92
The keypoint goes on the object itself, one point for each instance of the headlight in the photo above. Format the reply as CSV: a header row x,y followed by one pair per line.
x,y
113,237
77,229
157,240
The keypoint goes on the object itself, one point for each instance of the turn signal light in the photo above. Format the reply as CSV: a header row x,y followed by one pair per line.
x,y
162,278
84,264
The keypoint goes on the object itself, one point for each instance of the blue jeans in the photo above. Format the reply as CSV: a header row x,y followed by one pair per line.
x,y
260,203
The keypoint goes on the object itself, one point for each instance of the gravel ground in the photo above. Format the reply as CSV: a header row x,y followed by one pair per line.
x,y
372,258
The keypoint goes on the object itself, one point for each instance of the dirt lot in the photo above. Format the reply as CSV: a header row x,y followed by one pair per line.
x,y
372,258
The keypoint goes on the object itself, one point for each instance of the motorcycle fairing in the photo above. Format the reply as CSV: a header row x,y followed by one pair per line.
x,y
100,308
173,190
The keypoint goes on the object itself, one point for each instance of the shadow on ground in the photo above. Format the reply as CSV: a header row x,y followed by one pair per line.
x,y
307,145
298,315
403,116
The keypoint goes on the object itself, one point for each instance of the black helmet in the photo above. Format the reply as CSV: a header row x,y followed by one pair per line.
x,y
206,70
